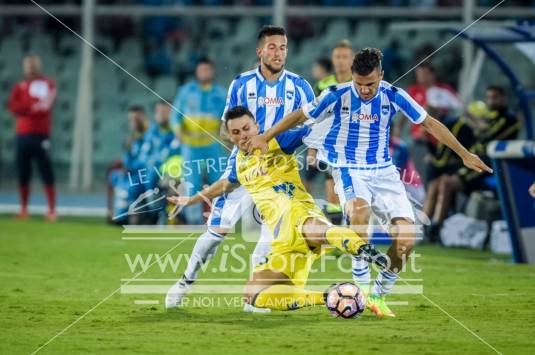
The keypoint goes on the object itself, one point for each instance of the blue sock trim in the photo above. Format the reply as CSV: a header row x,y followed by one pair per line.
x,y
216,234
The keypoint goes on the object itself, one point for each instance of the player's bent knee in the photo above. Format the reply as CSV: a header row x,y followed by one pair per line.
x,y
358,211
404,232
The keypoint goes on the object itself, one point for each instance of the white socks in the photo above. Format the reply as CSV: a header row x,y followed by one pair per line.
x,y
204,249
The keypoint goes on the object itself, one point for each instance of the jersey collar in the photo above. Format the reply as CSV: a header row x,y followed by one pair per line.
x,y
262,79
380,89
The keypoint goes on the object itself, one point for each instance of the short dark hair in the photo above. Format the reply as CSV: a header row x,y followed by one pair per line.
x,y
427,65
136,108
204,60
325,63
499,89
270,30
236,112
366,60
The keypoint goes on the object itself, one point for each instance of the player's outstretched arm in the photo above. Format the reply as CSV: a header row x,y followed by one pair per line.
x,y
289,121
443,134
216,189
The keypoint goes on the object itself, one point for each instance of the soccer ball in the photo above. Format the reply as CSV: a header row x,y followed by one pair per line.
x,y
345,300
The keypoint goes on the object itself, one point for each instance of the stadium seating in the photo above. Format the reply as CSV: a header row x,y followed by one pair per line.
x,y
229,42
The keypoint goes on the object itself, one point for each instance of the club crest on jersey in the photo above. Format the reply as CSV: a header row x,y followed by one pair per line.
x,y
289,95
270,101
364,117
385,109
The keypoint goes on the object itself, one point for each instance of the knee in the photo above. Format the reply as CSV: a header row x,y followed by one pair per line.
x,y
358,211
250,291
405,237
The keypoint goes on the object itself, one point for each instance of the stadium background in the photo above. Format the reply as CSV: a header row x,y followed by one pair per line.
x,y
161,52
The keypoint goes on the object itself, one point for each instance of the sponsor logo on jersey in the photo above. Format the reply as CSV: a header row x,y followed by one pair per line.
x,y
364,117
270,101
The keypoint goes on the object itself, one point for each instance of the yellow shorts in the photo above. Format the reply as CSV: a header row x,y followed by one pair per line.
x,y
290,252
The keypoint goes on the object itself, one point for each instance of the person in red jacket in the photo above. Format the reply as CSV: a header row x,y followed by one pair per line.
x,y
31,102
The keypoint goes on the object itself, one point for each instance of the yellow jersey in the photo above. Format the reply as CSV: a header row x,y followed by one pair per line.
x,y
273,180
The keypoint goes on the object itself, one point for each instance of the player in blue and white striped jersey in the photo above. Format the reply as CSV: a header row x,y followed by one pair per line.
x,y
350,128
270,92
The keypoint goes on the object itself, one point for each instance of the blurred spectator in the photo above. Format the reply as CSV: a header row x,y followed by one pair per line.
x,y
159,143
492,121
31,102
321,70
123,178
200,104
442,162
435,96
342,59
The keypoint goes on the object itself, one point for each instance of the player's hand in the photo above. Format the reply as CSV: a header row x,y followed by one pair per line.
x,y
179,201
473,162
257,142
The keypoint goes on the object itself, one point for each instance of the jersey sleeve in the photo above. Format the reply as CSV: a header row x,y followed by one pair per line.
x,y
411,109
232,173
290,140
318,109
306,93
232,97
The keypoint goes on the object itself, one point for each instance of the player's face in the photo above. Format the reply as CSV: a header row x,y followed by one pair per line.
x,y
204,73
272,52
425,77
241,129
162,113
367,85
495,100
31,66
136,121
342,59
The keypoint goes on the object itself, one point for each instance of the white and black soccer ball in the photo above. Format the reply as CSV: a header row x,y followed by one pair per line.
x,y
345,300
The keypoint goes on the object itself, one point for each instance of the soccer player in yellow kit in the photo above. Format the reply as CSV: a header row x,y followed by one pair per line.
x,y
300,229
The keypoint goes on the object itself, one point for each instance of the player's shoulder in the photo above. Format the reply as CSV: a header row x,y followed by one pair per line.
x,y
337,90
391,91
296,78
245,76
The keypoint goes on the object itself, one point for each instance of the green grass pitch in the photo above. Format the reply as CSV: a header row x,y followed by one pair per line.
x,y
51,274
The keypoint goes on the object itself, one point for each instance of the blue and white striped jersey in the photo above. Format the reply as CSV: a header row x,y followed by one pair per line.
x,y
269,102
351,132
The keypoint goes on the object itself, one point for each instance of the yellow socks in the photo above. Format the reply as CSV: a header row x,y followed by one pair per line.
x,y
287,298
344,239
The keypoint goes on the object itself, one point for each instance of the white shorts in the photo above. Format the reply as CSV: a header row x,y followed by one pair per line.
x,y
381,188
228,208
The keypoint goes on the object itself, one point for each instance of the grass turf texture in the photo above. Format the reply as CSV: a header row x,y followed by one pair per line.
x,y
54,273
